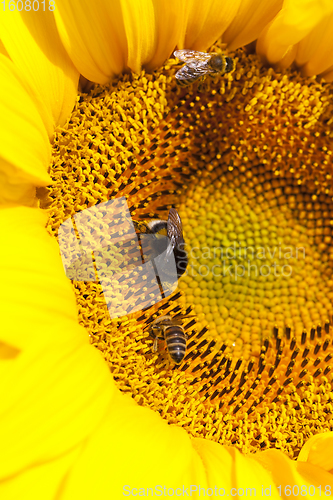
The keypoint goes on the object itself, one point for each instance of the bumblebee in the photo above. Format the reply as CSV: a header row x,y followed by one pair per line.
x,y
171,330
200,64
174,246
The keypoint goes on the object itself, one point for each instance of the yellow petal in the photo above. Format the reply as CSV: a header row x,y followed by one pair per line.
x,y
310,43
134,448
47,475
3,49
34,286
169,18
228,468
60,388
102,37
296,20
55,387
314,53
25,148
287,473
33,44
8,351
139,21
328,75
249,21
288,58
94,36
318,451
14,190
205,21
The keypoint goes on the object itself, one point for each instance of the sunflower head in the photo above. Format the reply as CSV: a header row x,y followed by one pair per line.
x,y
246,160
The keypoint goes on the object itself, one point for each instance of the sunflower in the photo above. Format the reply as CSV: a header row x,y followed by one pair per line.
x,y
246,160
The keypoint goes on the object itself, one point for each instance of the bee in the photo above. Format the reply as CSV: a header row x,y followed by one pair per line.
x,y
175,240
171,330
200,64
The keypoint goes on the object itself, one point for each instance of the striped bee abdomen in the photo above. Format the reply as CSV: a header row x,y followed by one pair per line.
x,y
176,342
170,329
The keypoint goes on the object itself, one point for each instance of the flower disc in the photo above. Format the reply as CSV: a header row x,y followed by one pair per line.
x,y
246,160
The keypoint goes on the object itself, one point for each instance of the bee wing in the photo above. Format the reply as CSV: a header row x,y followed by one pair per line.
x,y
183,316
174,225
174,230
164,321
193,70
187,55
176,322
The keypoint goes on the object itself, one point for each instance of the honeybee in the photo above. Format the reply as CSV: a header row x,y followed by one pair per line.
x,y
200,64
171,330
175,246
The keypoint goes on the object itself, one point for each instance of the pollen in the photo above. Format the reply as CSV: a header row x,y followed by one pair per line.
x,y
247,161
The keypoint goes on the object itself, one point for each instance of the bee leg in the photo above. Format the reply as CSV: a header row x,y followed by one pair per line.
x,y
155,345
200,86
